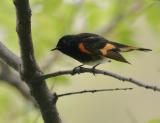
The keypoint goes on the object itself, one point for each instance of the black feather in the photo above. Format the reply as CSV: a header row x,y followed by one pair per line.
x,y
116,56
144,49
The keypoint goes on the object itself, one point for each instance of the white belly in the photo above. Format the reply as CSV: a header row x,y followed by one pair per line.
x,y
92,63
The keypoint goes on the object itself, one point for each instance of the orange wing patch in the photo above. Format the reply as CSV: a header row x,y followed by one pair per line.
x,y
106,48
83,49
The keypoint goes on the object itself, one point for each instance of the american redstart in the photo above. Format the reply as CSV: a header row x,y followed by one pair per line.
x,y
92,49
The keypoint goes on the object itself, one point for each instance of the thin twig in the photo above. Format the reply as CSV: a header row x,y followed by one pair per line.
x,y
91,91
107,73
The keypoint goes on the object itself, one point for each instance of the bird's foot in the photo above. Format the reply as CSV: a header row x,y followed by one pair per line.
x,y
77,69
94,68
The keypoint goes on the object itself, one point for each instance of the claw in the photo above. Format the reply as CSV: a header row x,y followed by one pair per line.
x,y
77,69
94,68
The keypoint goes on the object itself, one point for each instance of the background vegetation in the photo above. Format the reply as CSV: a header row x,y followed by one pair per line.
x,y
135,22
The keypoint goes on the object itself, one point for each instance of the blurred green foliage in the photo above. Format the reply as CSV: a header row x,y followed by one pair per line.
x,y
154,121
53,18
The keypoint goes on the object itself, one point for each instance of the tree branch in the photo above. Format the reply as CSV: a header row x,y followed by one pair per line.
x,y
29,68
92,91
10,58
13,79
23,29
107,73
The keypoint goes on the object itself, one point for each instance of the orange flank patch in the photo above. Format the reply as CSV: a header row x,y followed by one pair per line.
x,y
106,48
83,49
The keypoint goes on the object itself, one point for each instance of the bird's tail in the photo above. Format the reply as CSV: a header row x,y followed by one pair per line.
x,y
126,48
130,48
116,56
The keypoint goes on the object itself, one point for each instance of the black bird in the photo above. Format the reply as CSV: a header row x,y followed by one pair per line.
x,y
93,49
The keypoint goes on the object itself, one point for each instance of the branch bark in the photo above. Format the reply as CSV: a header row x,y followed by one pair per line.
x,y
92,91
107,73
13,79
29,68
9,57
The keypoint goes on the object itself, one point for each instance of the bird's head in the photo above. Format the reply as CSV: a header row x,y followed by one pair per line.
x,y
63,43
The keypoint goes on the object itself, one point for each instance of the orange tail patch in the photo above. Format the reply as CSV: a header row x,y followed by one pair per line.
x,y
107,48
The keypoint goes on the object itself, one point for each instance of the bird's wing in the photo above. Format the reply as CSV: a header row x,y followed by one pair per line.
x,y
97,45
94,44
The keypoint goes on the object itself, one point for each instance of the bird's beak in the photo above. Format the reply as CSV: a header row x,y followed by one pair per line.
x,y
54,49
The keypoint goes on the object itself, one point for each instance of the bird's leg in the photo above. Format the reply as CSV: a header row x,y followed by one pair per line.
x,y
77,69
94,68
